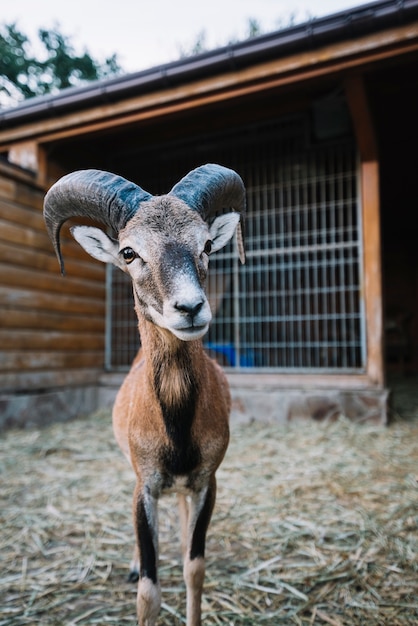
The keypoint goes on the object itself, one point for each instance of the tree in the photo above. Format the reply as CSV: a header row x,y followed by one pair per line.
x,y
23,75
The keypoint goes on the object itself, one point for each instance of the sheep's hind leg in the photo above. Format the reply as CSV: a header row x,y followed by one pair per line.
x,y
183,508
201,508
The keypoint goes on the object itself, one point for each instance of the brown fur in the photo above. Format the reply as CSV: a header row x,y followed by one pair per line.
x,y
137,409
141,433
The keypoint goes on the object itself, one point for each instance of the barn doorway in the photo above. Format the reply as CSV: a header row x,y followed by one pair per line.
x,y
394,100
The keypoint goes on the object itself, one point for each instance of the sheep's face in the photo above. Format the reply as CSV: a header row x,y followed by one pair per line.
x,y
165,249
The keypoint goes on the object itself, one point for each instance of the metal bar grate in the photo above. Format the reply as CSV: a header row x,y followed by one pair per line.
x,y
122,341
296,303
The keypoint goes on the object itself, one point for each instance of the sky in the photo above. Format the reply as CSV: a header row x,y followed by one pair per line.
x,y
146,33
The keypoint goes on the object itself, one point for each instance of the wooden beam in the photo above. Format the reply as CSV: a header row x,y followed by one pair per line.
x,y
41,303
370,202
12,317
48,379
16,340
27,360
372,269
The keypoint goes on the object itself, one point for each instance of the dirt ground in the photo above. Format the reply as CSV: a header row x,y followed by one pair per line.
x,y
315,524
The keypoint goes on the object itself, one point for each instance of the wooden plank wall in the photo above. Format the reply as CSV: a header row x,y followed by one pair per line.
x,y
52,328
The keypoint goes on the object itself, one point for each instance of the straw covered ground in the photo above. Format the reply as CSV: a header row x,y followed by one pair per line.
x,y
314,524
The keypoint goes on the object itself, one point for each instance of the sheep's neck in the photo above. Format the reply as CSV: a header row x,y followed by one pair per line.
x,y
173,376
171,365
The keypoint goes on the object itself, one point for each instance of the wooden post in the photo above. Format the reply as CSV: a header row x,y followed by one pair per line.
x,y
366,141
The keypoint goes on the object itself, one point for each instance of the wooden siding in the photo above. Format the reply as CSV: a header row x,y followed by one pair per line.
x,y
51,327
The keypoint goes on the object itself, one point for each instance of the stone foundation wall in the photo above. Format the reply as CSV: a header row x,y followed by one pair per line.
x,y
323,405
282,405
26,410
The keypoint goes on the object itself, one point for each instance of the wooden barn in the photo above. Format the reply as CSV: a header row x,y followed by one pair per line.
x,y
321,122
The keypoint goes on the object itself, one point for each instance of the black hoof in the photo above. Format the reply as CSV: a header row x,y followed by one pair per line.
x,y
133,577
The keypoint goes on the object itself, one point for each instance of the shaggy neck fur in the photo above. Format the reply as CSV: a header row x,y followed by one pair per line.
x,y
171,363
172,375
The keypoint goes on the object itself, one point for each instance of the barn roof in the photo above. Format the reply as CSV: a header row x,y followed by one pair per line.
x,y
348,24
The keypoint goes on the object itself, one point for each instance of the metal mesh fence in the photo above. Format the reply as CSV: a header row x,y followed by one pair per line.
x,y
296,304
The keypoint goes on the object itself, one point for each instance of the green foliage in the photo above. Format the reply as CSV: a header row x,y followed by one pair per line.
x,y
254,28
24,75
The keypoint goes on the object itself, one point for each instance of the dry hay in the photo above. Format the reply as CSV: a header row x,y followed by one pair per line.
x,y
314,524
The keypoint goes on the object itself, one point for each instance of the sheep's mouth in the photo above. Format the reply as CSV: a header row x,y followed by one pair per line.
x,y
189,333
193,329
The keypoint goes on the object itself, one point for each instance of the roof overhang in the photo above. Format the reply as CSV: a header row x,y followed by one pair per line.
x,y
347,42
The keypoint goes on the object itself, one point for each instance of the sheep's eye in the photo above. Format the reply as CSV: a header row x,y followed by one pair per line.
x,y
208,247
128,255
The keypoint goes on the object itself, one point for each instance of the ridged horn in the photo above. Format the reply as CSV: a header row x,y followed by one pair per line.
x,y
99,195
210,189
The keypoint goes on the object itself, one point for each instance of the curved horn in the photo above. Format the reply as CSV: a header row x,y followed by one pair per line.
x,y
212,188
99,195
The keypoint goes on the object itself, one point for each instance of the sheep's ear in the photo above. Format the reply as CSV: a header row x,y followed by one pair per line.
x,y
97,244
222,229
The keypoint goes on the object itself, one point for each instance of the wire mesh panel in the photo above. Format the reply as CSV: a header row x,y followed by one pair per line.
x,y
296,304
122,339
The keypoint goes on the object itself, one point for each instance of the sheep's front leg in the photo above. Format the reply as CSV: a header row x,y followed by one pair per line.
x,y
146,526
200,513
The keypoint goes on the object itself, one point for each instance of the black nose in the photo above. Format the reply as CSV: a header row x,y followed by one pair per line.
x,y
190,309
